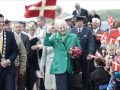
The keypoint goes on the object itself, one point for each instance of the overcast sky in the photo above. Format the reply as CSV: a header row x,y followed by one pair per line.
x,y
15,9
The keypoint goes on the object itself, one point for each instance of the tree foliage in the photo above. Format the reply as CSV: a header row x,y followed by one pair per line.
x,y
115,13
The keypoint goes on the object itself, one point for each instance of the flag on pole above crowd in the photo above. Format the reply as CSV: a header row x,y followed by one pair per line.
x,y
44,8
110,21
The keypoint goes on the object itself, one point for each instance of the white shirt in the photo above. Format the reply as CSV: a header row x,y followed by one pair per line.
x,y
96,30
78,11
31,37
1,34
80,29
40,32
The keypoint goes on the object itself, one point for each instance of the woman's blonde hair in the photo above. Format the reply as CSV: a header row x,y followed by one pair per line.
x,y
110,47
31,26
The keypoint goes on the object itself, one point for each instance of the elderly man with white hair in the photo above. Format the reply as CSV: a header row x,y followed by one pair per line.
x,y
61,42
96,25
96,31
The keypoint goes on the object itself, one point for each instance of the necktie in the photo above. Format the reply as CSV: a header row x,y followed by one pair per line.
x,y
0,43
78,12
79,30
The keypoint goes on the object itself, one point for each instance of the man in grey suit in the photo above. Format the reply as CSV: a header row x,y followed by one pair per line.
x,y
25,39
87,44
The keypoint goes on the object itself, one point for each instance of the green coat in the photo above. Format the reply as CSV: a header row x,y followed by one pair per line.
x,y
61,62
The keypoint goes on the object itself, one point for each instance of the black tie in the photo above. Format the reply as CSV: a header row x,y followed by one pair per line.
x,y
79,30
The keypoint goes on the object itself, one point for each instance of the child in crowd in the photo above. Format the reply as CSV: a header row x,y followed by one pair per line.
x,y
110,56
114,83
99,76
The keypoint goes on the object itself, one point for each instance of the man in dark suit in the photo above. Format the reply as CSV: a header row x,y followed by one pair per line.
x,y
80,12
8,51
93,15
87,44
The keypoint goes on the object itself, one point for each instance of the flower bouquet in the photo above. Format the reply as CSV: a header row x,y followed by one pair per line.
x,y
74,54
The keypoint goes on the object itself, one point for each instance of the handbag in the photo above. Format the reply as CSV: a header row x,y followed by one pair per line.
x,y
76,80
76,76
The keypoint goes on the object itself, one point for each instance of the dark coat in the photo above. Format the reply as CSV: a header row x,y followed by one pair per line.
x,y
86,39
7,75
11,50
90,17
25,39
33,55
83,12
87,44
97,43
99,77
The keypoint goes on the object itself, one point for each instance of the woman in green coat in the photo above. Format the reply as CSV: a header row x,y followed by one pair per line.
x,y
62,41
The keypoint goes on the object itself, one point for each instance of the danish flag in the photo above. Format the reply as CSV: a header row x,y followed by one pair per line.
x,y
114,33
115,66
44,8
99,35
110,21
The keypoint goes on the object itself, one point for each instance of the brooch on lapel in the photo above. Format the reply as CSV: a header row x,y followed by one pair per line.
x,y
84,36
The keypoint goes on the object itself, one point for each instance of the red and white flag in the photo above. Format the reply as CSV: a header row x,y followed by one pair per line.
x,y
44,8
97,55
110,40
99,35
115,66
110,21
114,33
104,36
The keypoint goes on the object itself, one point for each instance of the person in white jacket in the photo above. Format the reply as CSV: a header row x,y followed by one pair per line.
x,y
46,61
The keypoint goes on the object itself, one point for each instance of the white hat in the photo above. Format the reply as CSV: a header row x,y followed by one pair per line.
x,y
68,17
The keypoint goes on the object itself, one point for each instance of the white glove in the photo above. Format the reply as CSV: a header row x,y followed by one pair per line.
x,y
49,29
42,71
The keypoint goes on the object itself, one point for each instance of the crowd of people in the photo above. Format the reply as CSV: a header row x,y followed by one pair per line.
x,y
35,54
